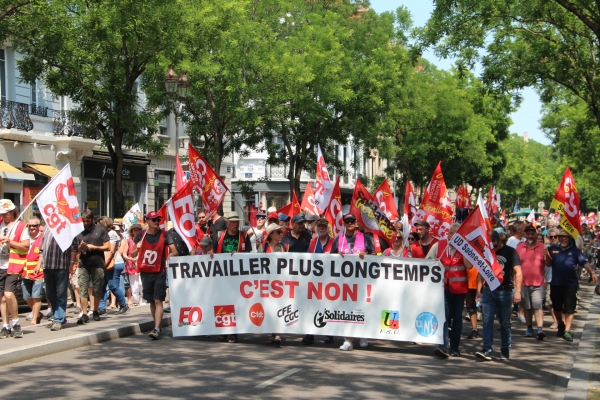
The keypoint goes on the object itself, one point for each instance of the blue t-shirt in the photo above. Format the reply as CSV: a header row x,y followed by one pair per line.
x,y
564,265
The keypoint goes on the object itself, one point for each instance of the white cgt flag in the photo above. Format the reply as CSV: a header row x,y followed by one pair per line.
x,y
59,207
323,185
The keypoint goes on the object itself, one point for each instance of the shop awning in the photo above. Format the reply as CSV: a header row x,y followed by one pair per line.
x,y
7,171
43,169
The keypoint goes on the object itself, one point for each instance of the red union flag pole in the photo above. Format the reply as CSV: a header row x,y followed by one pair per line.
x,y
410,210
181,212
206,182
566,203
333,214
436,207
308,201
473,242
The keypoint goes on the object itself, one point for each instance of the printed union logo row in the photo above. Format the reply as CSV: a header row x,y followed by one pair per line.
x,y
426,323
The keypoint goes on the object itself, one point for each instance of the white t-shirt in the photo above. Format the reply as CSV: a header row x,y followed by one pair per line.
x,y
253,238
514,242
114,238
5,248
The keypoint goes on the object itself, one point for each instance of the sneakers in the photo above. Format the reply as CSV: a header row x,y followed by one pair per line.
x,y
474,334
561,330
442,352
364,342
454,352
101,311
328,340
155,334
124,310
96,315
55,326
167,310
522,318
485,354
17,332
347,346
29,317
308,339
505,356
554,325
5,333
529,332
77,310
84,319
143,303
568,336
540,334
49,314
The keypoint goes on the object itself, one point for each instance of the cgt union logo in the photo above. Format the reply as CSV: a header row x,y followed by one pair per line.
x,y
353,317
224,316
289,316
190,316
390,322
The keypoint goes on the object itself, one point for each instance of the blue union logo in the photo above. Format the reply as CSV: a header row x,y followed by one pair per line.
x,y
426,324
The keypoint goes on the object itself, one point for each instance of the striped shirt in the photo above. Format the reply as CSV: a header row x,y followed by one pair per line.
x,y
52,255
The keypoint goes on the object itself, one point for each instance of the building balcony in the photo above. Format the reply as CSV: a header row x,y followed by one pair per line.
x,y
15,115
64,125
39,111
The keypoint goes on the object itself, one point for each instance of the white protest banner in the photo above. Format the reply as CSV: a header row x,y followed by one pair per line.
x,y
298,293
60,208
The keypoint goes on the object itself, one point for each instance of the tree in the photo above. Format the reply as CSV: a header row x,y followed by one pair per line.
x,y
95,52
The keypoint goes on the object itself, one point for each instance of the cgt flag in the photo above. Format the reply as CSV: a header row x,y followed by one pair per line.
x,y
566,203
308,201
206,182
473,242
181,213
291,209
370,216
334,213
385,200
323,189
180,178
59,206
436,207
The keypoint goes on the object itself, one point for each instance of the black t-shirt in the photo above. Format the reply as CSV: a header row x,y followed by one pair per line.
x,y
153,239
369,246
217,226
299,245
96,235
231,243
180,246
508,258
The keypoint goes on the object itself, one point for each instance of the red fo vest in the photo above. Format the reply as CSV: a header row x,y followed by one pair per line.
x,y
16,258
32,260
313,245
455,274
241,243
151,255
417,251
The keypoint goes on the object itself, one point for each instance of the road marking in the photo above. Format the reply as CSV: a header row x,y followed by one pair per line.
x,y
277,378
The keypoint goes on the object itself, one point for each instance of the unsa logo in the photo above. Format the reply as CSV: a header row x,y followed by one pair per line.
x,y
257,314
426,324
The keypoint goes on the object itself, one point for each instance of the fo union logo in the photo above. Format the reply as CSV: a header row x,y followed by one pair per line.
x,y
426,324
390,322
224,316
190,316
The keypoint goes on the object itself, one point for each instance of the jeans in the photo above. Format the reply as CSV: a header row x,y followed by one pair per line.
x,y
112,278
454,307
57,281
496,302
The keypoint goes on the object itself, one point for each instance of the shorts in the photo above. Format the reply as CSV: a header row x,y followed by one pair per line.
x,y
564,299
471,302
13,281
32,289
74,278
154,286
2,281
97,280
548,300
126,284
532,297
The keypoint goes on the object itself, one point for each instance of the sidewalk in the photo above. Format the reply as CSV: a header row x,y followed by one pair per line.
x,y
39,341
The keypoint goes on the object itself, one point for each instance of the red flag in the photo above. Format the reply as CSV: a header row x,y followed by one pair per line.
x,y
490,206
436,207
410,210
385,200
460,200
503,216
180,179
333,213
291,209
566,203
308,201
467,197
323,190
206,182
473,242
370,216
181,212
164,219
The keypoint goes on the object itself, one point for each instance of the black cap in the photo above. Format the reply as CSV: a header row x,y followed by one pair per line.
x,y
350,216
298,219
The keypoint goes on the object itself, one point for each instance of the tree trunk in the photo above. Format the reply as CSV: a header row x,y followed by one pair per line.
x,y
116,154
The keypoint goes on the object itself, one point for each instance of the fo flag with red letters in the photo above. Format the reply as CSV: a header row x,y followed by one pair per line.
x,y
308,201
436,207
181,212
385,200
59,206
206,182
324,191
333,213
370,216
164,217
566,203
473,242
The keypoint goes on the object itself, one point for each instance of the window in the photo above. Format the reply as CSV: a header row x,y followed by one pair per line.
x,y
33,96
2,76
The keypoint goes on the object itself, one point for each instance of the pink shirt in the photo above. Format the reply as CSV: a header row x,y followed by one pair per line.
x,y
532,263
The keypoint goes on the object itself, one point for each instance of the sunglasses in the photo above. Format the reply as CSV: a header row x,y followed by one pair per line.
x,y
260,218
350,221
154,219
412,239
34,226
553,237
278,232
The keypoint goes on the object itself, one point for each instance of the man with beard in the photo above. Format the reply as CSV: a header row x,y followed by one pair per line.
x,y
426,241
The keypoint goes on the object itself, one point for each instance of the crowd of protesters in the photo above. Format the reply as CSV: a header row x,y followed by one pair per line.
x,y
107,268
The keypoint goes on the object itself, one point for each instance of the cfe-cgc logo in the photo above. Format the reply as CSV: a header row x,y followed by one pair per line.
x,y
426,324
289,315
353,317
224,316
390,322
190,316
257,314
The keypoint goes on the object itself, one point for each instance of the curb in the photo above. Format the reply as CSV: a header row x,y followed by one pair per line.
x,y
72,342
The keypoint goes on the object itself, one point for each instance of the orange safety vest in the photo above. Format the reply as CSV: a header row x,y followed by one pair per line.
x,y
16,258
32,261
455,274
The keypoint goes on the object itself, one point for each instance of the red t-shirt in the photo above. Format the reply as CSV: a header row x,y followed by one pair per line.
x,y
532,263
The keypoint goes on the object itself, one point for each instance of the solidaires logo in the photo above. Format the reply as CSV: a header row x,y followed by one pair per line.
x,y
426,324
390,319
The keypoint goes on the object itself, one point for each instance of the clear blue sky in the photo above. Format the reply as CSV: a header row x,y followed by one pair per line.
x,y
525,119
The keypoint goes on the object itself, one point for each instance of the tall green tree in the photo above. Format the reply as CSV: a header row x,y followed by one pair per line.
x,y
95,52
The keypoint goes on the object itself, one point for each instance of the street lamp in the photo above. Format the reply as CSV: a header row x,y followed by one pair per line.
x,y
180,87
